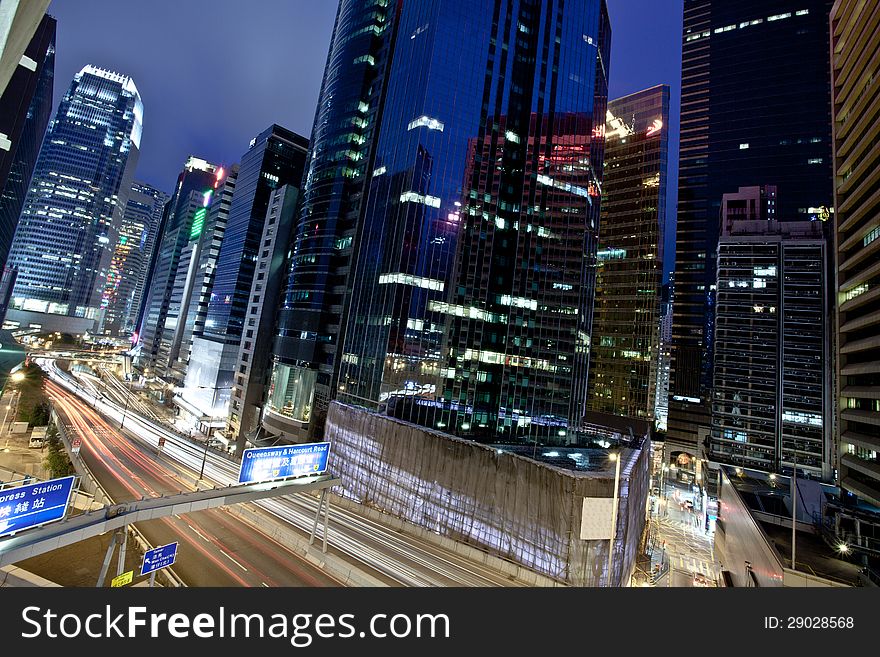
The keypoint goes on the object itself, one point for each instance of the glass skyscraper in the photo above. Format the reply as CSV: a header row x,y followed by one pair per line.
x,y
25,108
443,264
131,259
756,109
196,180
626,320
71,217
276,157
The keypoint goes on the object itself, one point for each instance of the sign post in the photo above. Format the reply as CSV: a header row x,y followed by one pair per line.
x,y
27,506
158,558
122,580
283,461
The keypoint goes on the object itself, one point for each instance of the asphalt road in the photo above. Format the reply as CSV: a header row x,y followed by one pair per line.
x,y
215,548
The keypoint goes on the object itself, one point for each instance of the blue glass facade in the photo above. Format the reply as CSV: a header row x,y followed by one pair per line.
x,y
68,227
276,158
25,109
471,278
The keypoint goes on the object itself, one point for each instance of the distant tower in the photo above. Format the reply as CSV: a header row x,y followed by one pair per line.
x,y
70,223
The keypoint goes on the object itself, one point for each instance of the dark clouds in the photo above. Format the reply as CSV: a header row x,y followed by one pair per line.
x,y
214,73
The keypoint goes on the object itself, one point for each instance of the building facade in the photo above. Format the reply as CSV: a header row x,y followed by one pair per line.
x,y
132,257
69,225
744,122
197,179
468,192
855,29
626,321
276,157
25,108
772,404
253,366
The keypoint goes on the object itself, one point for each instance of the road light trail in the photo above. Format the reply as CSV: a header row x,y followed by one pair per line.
x,y
402,558
138,474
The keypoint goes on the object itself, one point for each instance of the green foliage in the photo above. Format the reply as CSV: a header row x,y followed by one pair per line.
x,y
57,462
32,396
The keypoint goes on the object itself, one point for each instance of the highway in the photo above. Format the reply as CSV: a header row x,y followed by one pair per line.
x,y
379,550
216,548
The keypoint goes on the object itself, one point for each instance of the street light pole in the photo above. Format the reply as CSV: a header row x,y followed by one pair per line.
x,y
125,410
616,458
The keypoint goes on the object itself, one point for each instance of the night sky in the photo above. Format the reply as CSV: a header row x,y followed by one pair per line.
x,y
214,73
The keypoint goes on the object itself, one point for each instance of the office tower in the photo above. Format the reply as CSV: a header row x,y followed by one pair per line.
x,y
276,157
132,257
661,400
625,344
19,20
755,109
194,182
73,210
771,400
208,250
254,355
855,26
25,108
444,255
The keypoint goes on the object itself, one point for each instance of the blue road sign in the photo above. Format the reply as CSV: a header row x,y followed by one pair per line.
x,y
35,504
158,558
267,463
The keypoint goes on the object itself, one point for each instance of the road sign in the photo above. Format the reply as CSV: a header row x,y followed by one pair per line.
x,y
75,445
122,580
267,463
35,504
160,557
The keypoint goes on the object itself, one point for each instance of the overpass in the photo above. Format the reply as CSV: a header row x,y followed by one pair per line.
x,y
33,542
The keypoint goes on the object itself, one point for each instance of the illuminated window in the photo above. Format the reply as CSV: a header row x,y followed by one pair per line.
x,y
414,197
518,302
872,235
409,279
427,122
743,147
779,17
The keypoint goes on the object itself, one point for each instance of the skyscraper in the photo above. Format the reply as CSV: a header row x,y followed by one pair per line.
x,y
132,256
626,321
25,108
69,225
276,157
855,27
771,399
755,109
197,178
253,364
457,191
19,19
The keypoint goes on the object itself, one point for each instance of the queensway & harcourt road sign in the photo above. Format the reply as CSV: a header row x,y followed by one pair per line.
x,y
280,462
35,504
158,558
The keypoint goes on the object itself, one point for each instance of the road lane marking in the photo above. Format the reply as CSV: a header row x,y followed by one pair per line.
x,y
234,561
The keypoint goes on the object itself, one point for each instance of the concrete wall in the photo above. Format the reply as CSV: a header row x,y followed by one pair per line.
x,y
739,538
507,505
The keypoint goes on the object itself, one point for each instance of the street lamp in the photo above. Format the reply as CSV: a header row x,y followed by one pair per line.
x,y
614,456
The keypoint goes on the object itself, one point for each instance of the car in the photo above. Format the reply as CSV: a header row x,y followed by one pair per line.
x,y
689,504
655,490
